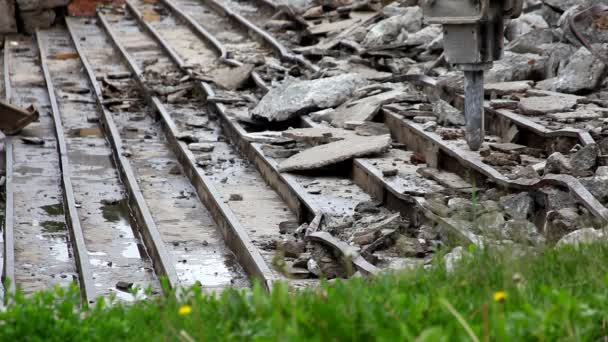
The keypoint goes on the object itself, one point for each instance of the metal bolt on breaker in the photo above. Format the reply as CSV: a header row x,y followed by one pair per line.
x,y
473,34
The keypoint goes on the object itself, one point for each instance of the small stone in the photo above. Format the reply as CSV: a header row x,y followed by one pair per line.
x,y
235,197
32,141
175,170
124,286
557,163
390,172
186,137
203,158
201,147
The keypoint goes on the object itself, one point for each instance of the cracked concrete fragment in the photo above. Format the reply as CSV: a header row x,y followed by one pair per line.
x,y
336,152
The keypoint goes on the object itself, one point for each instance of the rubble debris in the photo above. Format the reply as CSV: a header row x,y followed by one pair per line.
x,y
582,73
517,67
231,78
13,119
584,159
335,152
394,29
557,163
447,115
346,251
561,222
518,206
532,41
582,236
294,98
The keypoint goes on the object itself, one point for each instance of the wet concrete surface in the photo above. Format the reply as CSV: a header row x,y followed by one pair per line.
x,y
186,226
43,255
183,39
261,209
237,42
115,250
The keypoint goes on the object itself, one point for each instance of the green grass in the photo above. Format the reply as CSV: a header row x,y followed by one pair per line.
x,y
552,295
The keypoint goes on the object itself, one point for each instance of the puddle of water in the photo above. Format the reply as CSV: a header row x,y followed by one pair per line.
x,y
85,132
206,269
118,213
53,227
59,248
54,209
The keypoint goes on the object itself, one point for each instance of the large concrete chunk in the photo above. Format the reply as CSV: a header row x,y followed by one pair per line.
x,y
300,97
583,73
540,105
336,152
8,23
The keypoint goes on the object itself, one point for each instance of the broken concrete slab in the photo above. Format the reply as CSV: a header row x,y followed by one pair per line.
x,y
579,115
540,105
507,88
365,108
336,152
317,135
300,97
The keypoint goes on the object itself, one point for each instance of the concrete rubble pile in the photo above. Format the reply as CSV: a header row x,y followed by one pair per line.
x,y
365,51
27,15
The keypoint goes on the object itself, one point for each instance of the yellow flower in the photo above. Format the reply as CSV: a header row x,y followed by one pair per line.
x,y
184,310
500,296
